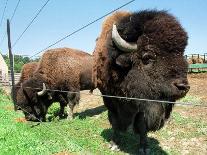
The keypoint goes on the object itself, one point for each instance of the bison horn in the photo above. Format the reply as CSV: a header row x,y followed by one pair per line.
x,y
121,43
43,91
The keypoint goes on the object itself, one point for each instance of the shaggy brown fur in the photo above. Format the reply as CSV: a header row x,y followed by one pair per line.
x,y
157,70
60,69
26,72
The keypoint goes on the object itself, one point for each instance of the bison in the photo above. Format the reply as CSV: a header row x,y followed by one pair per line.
x,y
140,55
63,69
61,97
26,72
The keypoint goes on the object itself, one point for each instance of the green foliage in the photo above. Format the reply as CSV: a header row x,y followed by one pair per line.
x,y
19,61
191,100
89,134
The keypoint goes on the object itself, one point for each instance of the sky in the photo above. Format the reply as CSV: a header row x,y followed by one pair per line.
x,y
62,17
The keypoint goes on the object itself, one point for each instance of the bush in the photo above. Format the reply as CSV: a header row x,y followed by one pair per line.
x,y
19,61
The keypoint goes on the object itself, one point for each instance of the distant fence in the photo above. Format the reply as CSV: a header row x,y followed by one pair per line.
x,y
192,68
201,57
8,82
197,62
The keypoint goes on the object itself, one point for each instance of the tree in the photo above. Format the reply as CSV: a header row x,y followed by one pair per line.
x,y
19,61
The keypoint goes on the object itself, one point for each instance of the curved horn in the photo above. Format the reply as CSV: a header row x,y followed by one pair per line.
x,y
121,43
43,91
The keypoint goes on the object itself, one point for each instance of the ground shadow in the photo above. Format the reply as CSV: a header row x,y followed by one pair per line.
x,y
82,115
91,112
129,143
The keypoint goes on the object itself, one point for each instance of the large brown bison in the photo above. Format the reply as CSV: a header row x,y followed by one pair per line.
x,y
59,69
140,55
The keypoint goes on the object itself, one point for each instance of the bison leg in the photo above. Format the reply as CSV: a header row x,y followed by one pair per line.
x,y
73,99
141,129
63,104
116,134
70,108
62,109
115,141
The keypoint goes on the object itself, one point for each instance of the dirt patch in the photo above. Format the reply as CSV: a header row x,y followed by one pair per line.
x,y
22,120
10,108
89,101
188,146
198,86
192,112
63,153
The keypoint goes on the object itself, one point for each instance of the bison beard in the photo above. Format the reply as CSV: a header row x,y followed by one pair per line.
x,y
59,69
144,59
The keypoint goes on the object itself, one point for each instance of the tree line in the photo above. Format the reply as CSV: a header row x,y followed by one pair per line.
x,y
19,61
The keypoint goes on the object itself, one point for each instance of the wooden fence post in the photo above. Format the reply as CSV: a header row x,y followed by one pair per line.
x,y
11,58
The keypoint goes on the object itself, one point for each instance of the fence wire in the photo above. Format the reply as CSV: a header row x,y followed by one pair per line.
x,y
3,13
15,9
90,23
108,96
30,23
119,97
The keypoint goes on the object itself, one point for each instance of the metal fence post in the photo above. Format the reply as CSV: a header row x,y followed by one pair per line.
x,y
11,59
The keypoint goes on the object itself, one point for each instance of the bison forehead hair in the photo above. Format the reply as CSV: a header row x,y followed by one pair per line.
x,y
154,27
160,42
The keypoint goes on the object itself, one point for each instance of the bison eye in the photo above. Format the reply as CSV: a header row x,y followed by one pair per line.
x,y
148,58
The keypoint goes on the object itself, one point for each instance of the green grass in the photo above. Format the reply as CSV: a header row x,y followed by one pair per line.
x,y
191,100
86,134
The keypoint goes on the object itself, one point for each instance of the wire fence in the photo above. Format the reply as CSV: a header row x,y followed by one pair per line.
x,y
118,97
90,23
40,10
3,13
60,131
15,9
30,23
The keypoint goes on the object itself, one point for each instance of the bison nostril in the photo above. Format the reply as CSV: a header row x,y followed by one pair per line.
x,y
182,86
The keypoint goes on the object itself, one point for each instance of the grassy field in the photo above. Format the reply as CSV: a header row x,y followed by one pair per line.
x,y
90,133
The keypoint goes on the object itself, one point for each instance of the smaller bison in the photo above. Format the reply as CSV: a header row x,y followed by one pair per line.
x,y
26,72
63,69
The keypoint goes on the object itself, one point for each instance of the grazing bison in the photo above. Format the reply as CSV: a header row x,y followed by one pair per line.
x,y
140,55
26,72
59,69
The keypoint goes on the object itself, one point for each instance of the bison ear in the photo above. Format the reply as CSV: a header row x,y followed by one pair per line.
x,y
124,60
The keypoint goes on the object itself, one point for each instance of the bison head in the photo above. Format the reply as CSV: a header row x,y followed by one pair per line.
x,y
33,101
143,57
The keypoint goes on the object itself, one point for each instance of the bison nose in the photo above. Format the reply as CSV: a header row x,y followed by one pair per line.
x,y
182,86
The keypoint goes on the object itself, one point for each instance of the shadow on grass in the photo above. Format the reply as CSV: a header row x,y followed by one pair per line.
x,y
82,115
91,112
129,143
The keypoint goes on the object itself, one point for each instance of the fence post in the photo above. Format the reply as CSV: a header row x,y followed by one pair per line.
x,y
11,58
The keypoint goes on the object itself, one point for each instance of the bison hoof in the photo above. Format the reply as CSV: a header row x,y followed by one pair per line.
x,y
113,146
69,118
144,151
